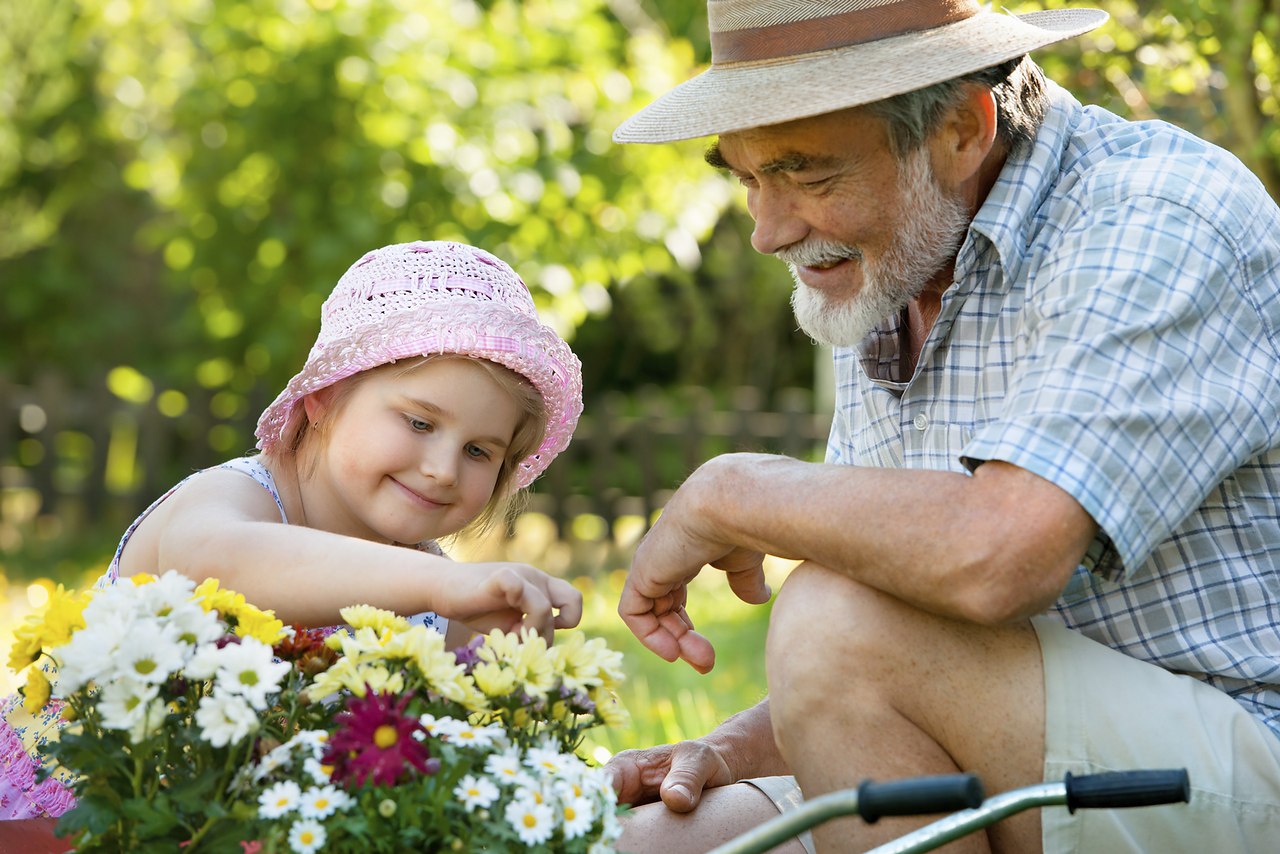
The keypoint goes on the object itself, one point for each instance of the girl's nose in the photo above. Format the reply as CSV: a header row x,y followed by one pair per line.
x,y
440,463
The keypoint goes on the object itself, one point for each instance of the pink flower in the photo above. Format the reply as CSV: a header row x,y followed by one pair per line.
x,y
374,740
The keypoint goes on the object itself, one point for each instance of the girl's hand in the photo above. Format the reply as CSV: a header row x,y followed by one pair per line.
x,y
509,596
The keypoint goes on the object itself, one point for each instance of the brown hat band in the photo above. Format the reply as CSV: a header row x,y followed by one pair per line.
x,y
879,21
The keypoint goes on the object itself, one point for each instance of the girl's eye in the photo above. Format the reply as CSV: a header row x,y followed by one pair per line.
x,y
477,452
417,424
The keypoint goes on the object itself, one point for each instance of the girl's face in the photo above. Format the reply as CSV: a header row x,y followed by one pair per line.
x,y
410,456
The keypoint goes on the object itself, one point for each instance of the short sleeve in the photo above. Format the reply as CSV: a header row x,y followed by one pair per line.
x,y
1145,374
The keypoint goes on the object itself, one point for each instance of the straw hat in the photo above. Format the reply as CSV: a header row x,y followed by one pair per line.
x,y
774,61
427,298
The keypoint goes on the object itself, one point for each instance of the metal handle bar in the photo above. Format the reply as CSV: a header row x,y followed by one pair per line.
x,y
1114,790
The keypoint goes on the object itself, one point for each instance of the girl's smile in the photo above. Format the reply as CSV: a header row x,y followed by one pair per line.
x,y
412,454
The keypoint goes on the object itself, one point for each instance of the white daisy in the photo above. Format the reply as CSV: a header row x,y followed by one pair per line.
x,y
279,799
127,703
225,718
307,836
247,669
320,774
194,625
90,655
577,815
475,792
322,802
151,652
507,769
533,822
170,591
546,761
468,735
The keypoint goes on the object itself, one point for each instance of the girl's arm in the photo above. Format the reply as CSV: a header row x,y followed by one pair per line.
x,y
223,525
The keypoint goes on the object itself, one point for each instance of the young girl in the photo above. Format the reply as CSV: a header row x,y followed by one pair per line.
x,y
431,396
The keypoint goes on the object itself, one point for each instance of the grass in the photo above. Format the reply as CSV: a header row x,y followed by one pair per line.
x,y
666,702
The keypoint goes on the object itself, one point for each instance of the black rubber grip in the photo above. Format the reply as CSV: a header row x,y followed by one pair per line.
x,y
919,796
1128,789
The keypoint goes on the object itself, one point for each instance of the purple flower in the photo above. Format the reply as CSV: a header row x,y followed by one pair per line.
x,y
374,741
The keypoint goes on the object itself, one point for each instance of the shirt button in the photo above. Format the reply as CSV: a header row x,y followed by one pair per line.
x,y
920,421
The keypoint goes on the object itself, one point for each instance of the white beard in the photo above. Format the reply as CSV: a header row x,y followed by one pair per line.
x,y
927,239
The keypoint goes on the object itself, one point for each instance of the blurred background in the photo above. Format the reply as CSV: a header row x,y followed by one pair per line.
x,y
183,181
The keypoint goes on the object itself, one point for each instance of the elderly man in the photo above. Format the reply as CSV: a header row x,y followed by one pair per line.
x,y
1047,534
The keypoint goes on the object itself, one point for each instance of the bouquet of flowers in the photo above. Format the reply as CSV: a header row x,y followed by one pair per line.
x,y
196,720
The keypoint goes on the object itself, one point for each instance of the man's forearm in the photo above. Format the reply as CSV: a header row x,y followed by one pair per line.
x,y
995,546
745,743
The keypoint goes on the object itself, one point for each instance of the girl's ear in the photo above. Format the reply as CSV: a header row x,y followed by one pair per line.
x,y
315,405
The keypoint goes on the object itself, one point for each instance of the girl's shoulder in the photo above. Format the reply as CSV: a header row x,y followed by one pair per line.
x,y
251,466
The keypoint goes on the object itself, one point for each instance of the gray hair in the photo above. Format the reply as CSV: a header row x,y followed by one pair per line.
x,y
1021,104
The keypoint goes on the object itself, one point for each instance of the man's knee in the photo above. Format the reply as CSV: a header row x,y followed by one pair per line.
x,y
827,615
823,631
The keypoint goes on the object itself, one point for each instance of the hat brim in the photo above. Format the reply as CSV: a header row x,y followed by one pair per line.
x,y
483,331
742,95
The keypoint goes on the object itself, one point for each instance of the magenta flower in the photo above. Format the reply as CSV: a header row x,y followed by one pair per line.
x,y
374,741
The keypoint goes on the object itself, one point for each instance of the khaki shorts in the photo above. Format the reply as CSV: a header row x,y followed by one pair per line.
x,y
786,796
1107,711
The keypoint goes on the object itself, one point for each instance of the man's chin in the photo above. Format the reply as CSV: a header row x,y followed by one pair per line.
x,y
835,324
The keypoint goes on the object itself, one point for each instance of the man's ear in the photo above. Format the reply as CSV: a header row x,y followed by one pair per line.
x,y
966,136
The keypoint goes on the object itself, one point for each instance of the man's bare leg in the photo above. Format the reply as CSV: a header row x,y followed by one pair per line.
x,y
864,686
724,813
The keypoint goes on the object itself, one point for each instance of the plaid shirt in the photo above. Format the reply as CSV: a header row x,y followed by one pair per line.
x,y
1114,327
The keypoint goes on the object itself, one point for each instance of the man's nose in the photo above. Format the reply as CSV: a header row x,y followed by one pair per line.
x,y
778,223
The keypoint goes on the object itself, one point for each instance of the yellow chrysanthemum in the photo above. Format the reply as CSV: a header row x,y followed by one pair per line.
x,y
253,622
49,627
364,644
612,712
494,680
526,655
584,663
378,679
142,578
35,694
367,616
228,603
327,683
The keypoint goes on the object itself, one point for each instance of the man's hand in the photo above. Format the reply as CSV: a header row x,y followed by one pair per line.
x,y
677,547
676,773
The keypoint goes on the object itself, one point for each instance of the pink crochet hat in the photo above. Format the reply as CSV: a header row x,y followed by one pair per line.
x,y
424,298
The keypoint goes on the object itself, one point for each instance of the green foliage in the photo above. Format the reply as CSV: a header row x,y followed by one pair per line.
x,y
1209,67
182,182
188,179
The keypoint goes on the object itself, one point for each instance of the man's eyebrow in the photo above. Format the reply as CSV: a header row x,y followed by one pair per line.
x,y
793,161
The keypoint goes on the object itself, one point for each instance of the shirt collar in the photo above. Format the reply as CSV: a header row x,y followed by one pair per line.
x,y
1026,180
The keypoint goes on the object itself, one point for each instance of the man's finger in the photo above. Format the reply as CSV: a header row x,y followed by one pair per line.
x,y
750,586
697,651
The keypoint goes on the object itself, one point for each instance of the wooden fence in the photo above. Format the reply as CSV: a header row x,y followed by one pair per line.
x,y
76,459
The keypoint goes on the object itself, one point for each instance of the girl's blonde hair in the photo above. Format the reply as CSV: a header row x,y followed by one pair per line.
x,y
505,502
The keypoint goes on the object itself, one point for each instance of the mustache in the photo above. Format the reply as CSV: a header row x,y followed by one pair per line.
x,y
818,253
